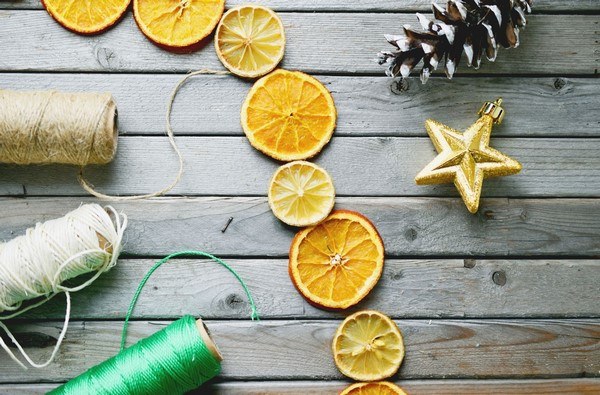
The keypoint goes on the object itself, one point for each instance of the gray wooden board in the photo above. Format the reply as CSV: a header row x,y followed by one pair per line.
x,y
585,386
301,349
533,230
366,106
409,226
362,5
230,166
316,43
407,289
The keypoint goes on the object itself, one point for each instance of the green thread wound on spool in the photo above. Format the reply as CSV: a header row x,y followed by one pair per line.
x,y
172,361
138,291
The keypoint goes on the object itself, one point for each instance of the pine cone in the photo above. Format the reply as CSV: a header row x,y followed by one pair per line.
x,y
472,26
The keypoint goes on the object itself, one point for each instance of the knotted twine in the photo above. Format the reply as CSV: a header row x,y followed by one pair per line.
x,y
88,239
177,359
45,127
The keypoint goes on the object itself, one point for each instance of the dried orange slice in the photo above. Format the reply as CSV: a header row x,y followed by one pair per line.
x,y
377,388
301,194
336,263
86,16
288,115
250,40
177,24
368,346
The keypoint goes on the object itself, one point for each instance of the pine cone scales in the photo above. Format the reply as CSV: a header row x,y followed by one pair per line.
x,y
474,27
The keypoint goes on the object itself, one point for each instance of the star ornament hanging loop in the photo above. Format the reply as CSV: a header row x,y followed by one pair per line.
x,y
466,159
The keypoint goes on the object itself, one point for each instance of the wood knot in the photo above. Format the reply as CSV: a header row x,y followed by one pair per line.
x,y
399,86
31,340
489,215
410,234
469,263
107,58
234,301
559,83
523,215
499,278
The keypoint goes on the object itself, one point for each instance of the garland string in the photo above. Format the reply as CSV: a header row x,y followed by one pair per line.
x,y
90,188
138,291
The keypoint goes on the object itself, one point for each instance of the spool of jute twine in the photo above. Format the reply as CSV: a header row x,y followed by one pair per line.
x,y
50,127
177,359
43,127
34,266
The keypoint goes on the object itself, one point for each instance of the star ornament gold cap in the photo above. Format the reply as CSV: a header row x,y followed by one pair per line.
x,y
466,159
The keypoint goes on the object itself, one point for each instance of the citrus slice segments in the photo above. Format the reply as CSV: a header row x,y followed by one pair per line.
x,y
368,346
177,24
250,40
86,16
377,388
288,115
336,263
301,194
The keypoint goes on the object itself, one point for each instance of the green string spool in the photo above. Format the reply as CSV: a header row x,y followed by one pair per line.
x,y
175,360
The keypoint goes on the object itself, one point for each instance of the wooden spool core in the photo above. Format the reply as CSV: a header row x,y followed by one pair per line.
x,y
104,244
210,344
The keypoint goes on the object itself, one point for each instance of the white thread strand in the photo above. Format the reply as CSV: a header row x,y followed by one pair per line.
x,y
88,239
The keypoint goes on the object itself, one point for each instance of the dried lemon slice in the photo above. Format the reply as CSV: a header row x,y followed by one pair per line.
x,y
368,346
177,24
301,194
336,263
250,40
288,115
86,16
377,388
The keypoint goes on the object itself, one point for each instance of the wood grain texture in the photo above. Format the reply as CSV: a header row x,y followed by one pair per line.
x,y
409,226
418,387
32,41
367,106
407,289
230,166
587,386
362,5
483,296
434,349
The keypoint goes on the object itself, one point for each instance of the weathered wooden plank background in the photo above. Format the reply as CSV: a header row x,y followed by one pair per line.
x,y
504,301
324,43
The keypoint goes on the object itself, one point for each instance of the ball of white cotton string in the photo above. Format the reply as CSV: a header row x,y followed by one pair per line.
x,y
36,265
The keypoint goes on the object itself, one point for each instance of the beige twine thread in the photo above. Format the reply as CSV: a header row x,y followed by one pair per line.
x,y
44,127
89,188
88,239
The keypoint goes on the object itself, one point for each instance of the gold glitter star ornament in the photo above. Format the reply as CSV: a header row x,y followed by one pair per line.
x,y
467,158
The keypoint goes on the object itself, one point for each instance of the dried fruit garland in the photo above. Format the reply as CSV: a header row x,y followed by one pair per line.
x,y
469,26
